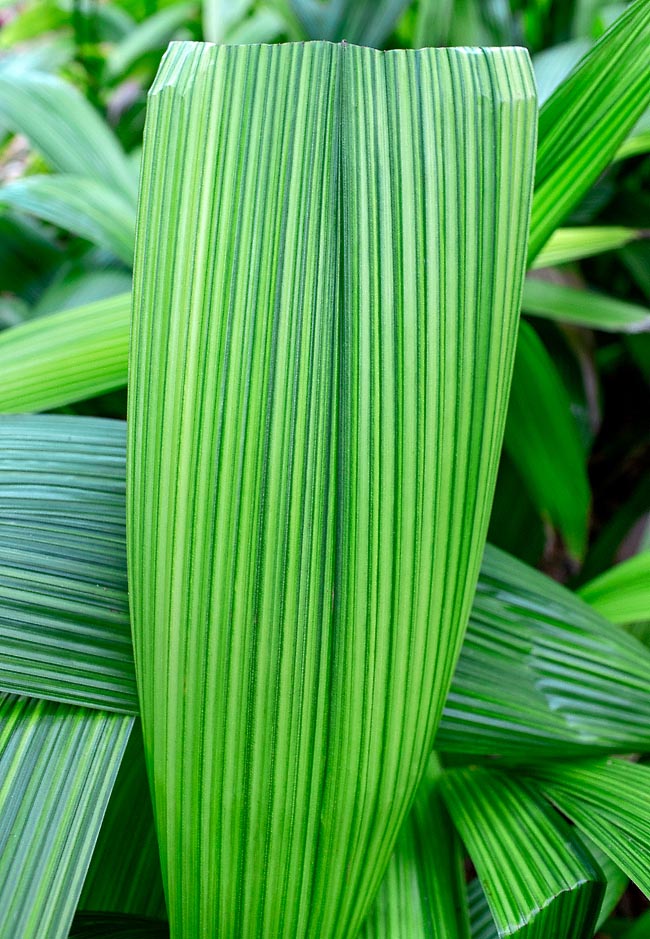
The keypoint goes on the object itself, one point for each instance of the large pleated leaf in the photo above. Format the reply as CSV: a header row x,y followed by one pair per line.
x,y
608,800
124,874
57,768
584,121
538,878
85,207
542,674
622,593
64,616
65,357
314,432
422,895
543,442
583,307
65,128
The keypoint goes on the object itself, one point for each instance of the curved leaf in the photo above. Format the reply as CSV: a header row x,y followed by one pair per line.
x,y
65,128
542,675
583,307
82,206
608,800
57,768
622,594
586,119
539,880
304,543
65,357
573,244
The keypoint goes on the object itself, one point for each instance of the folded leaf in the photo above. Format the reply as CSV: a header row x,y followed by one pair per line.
x,y
422,895
539,880
543,442
622,593
85,207
608,800
65,357
587,118
583,307
65,128
542,675
314,433
57,768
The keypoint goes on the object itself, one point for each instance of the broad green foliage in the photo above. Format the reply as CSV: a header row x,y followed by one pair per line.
x,y
313,444
331,243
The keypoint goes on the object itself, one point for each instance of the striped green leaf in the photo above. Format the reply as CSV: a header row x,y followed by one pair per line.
x,y
543,441
587,118
583,307
314,433
65,357
608,800
622,593
573,244
64,623
66,637
422,895
65,128
538,878
85,207
57,768
543,675
124,874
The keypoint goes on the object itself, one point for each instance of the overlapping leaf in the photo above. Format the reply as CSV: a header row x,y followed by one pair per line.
x,y
57,768
538,878
542,675
622,593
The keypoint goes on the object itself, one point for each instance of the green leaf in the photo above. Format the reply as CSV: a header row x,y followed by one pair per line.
x,y
543,442
363,21
151,34
583,307
608,800
622,594
482,926
220,16
422,895
65,357
124,874
304,543
587,118
573,244
78,287
57,768
434,19
82,206
64,616
65,128
539,880
542,675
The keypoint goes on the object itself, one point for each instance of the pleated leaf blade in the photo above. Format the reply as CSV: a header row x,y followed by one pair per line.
x,y
291,536
57,768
